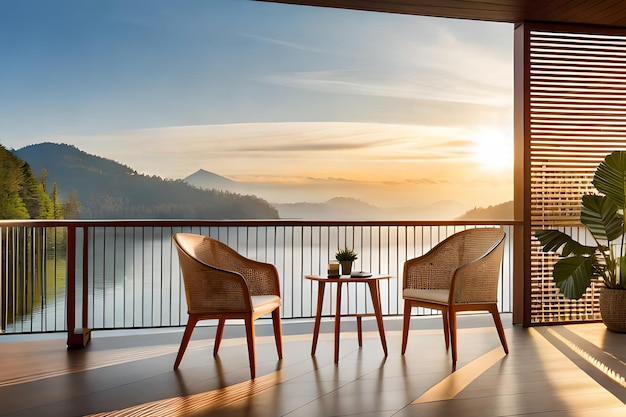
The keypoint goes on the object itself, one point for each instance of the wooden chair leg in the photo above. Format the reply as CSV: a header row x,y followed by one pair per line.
x,y
405,324
278,332
496,319
446,328
218,335
452,320
191,323
251,349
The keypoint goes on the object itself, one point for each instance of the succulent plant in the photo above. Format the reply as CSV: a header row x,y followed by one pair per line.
x,y
346,254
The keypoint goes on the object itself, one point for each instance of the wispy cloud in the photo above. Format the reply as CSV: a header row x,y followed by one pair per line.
x,y
434,64
286,44
423,84
254,149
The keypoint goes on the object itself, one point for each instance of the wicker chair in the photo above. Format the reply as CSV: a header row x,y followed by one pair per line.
x,y
459,274
222,284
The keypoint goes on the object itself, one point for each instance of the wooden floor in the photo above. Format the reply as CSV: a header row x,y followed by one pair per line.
x,y
574,370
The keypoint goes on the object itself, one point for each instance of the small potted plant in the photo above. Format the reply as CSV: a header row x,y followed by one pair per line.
x,y
603,215
345,257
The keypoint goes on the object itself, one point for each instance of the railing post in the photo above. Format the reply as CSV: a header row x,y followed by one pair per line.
x,y
76,337
85,265
3,282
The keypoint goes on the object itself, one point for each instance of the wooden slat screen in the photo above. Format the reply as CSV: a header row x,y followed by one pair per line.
x,y
577,114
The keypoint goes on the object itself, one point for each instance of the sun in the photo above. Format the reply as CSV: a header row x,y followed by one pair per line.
x,y
493,149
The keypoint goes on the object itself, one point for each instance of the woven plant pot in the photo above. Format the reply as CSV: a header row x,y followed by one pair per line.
x,y
613,309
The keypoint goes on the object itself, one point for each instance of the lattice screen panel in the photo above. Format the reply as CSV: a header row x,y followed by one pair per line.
x,y
577,108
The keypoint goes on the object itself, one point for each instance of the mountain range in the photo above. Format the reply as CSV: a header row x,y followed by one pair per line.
x,y
108,189
344,208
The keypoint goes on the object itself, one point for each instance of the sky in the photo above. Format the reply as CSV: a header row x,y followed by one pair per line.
x,y
395,109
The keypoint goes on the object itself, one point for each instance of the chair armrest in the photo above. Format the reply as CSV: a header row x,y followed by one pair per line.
x,y
210,289
477,281
432,270
262,278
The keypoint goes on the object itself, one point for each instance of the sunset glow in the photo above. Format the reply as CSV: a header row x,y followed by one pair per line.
x,y
398,109
493,150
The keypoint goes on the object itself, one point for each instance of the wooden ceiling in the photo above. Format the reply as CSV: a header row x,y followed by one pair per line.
x,y
593,12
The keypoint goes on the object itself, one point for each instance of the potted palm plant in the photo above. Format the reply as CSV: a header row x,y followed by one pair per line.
x,y
603,216
346,257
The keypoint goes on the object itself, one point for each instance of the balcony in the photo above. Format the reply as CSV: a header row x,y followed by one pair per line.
x,y
125,285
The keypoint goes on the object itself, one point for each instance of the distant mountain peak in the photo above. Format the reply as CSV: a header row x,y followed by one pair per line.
x,y
209,180
202,171
349,203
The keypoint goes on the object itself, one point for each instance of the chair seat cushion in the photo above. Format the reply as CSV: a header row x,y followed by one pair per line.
x,y
265,303
432,296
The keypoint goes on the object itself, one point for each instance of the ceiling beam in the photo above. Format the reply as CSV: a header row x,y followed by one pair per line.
x,y
588,12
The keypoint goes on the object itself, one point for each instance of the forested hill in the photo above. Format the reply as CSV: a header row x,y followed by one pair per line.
x,y
502,211
109,190
21,194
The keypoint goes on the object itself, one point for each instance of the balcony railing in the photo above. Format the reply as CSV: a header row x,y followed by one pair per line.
x,y
57,275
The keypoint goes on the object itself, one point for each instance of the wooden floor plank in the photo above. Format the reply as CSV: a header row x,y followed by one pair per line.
x,y
123,374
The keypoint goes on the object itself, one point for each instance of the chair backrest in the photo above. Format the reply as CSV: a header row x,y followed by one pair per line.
x,y
435,269
209,251
477,281
207,267
476,243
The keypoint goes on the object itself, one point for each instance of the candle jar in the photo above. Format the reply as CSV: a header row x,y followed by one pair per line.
x,y
333,268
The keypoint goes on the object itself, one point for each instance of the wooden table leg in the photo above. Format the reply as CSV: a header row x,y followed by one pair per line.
x,y
378,311
337,321
318,315
359,330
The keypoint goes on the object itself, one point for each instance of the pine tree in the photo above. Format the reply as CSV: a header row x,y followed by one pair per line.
x,y
72,207
11,204
44,178
57,208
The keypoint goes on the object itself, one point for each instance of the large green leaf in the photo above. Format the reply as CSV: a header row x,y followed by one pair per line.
x,y
553,240
610,177
573,275
601,216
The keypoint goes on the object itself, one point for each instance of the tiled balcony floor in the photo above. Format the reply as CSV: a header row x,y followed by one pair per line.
x,y
573,370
